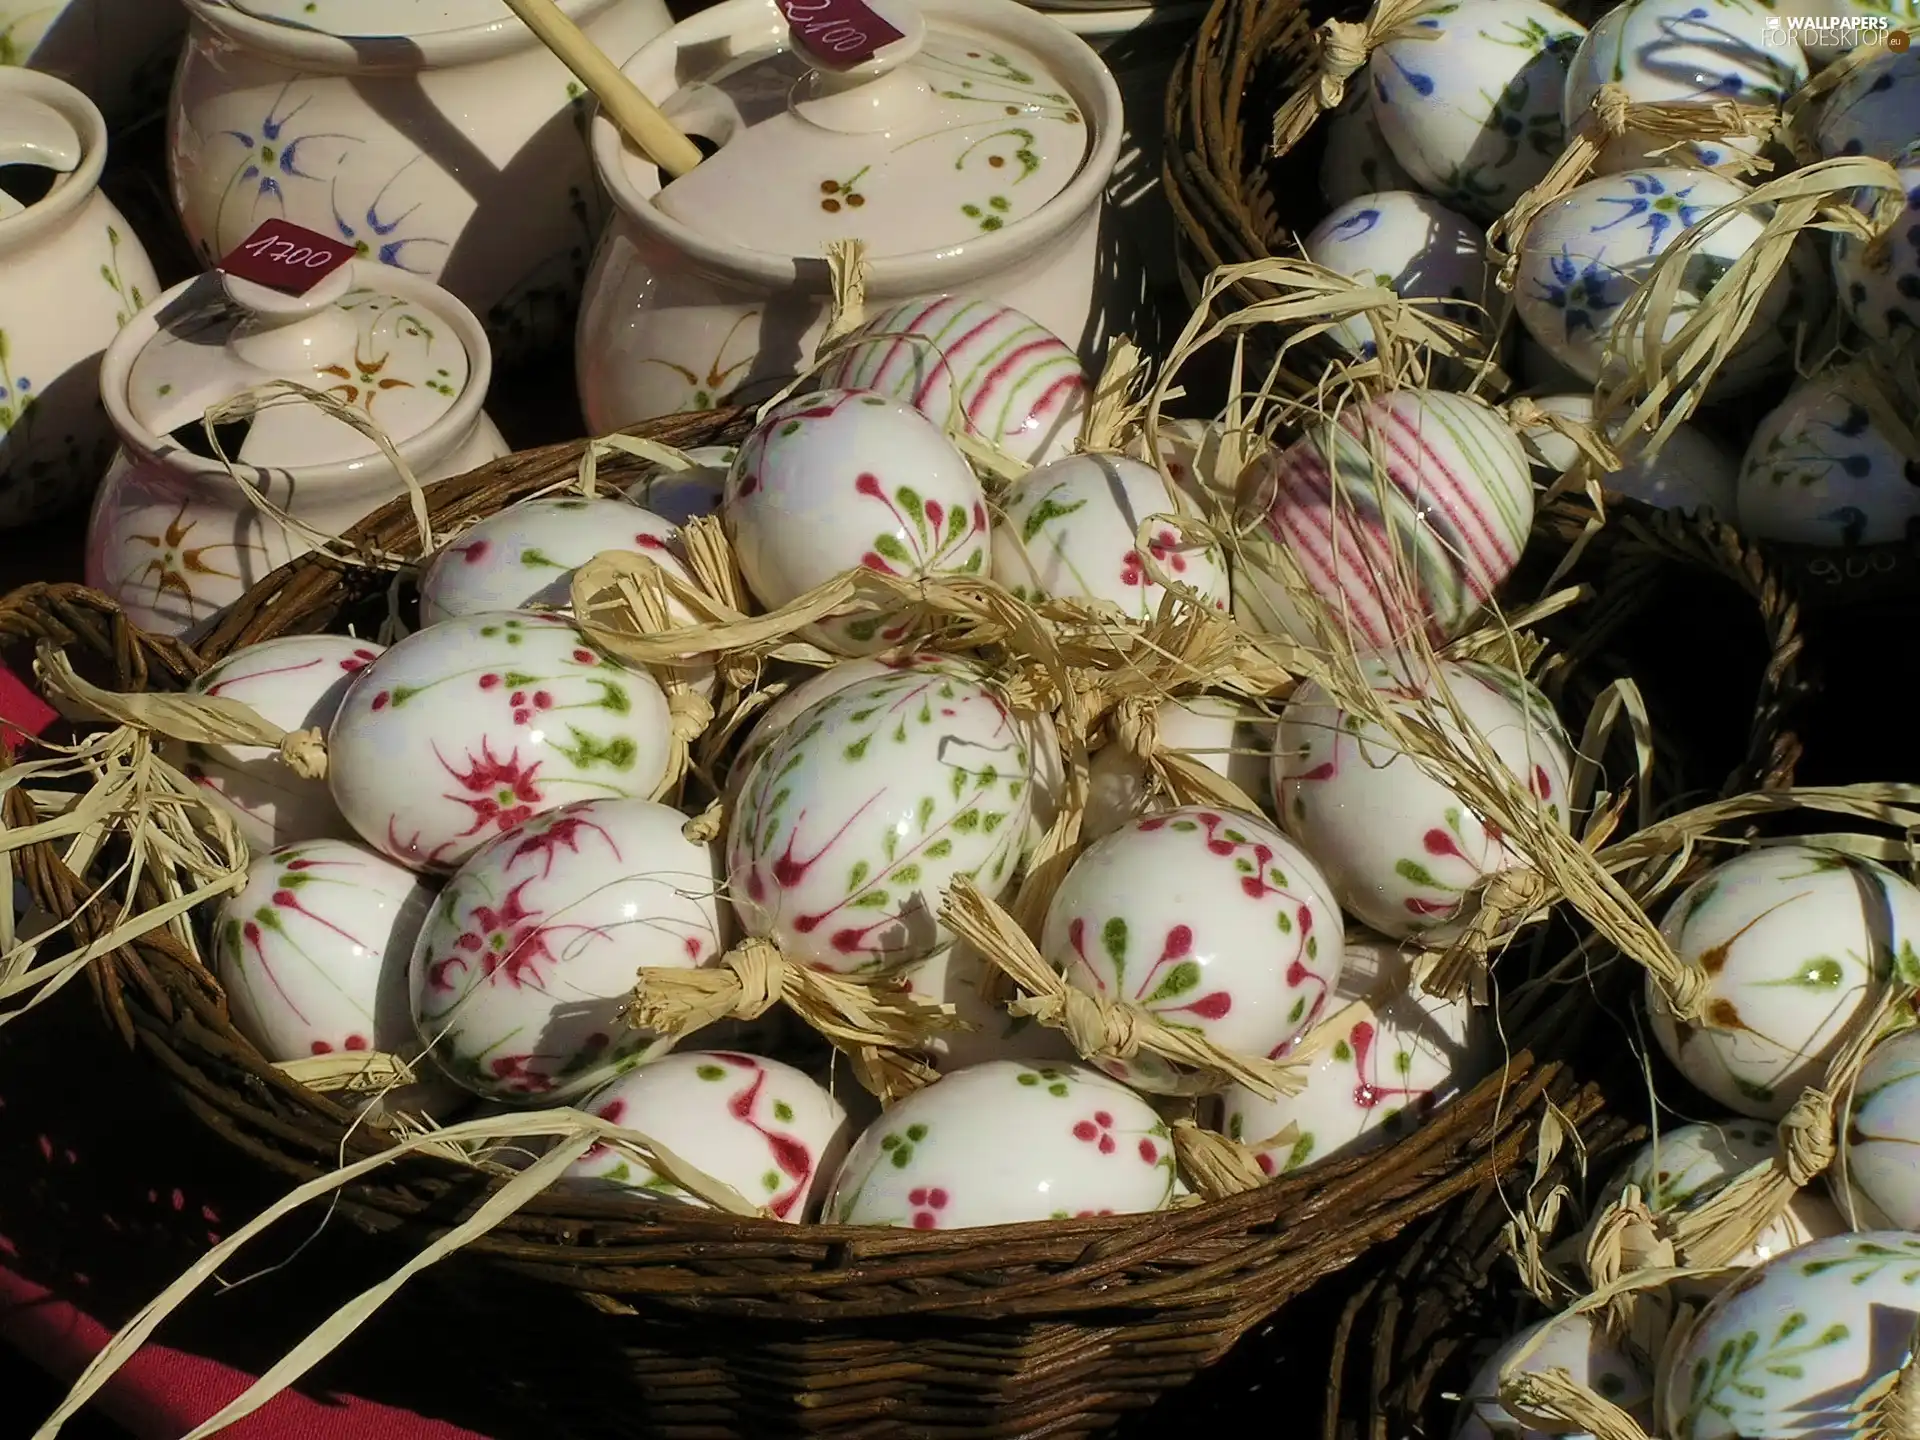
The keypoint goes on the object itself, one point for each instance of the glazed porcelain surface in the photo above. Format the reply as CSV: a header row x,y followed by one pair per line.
x,y
1357,160
1005,1142
1469,100
678,496
519,979
1880,1141
1408,244
119,53
1819,471
72,273
858,815
1683,52
1391,1060
1458,501
1875,109
452,147
1573,1343
1791,1349
173,537
1206,919
957,976
1794,940
1403,852
1692,472
764,1128
469,728
973,166
296,682
1880,287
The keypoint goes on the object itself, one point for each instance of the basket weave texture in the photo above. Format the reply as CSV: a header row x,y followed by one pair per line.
x,y
702,1325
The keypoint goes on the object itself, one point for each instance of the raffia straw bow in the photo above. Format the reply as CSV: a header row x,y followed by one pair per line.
x,y
1553,1396
1099,1028
1181,777
1218,1167
1504,902
1343,47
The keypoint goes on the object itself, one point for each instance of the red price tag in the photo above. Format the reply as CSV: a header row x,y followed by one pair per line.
x,y
283,256
840,34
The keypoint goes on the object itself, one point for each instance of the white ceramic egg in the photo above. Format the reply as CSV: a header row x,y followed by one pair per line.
x,y
519,978
1006,1142
1880,1137
1229,737
1469,98
1570,1342
1664,52
1357,159
1206,919
1874,110
957,976
1399,1056
1408,244
1458,499
680,496
1197,457
468,728
1585,254
296,682
312,951
970,365
857,817
846,479
1070,531
758,1125
1879,287
1819,471
1794,940
1692,472
1792,1348
1403,852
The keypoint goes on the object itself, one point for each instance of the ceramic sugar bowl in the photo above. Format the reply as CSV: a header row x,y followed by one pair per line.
x,y
119,53
71,274
970,156
437,136
173,536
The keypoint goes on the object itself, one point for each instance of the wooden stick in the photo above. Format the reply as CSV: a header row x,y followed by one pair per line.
x,y
637,116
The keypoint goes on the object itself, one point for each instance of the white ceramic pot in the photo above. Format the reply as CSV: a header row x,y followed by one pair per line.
x,y
120,53
686,306
438,136
173,536
71,274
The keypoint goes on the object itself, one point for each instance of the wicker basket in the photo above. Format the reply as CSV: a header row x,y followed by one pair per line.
x,y
700,1325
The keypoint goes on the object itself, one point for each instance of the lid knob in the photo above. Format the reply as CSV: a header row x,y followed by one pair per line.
x,y
285,332
860,82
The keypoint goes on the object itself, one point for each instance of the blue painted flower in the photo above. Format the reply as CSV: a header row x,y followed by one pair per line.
x,y
1422,84
1355,225
1579,292
377,235
270,162
1657,208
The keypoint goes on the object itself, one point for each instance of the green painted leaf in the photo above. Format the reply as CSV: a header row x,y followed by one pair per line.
x,y
1415,873
888,547
1178,981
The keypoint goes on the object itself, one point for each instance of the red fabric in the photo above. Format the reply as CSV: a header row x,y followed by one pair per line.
x,y
21,711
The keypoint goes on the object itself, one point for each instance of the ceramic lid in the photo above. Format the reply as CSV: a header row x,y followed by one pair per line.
x,y
389,356
34,135
367,19
945,134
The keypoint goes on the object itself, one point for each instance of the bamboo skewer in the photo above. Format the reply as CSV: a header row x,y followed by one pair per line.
x,y
638,117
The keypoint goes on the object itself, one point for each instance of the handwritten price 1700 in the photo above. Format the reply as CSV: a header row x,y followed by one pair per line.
x,y
277,251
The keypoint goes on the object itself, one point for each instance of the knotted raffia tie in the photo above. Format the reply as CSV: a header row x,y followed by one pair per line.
x,y
1217,1167
1343,48
1505,899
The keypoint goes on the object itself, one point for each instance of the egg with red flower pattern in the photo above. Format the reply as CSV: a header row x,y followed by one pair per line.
x,y
519,978
468,728
760,1126
1206,919
523,557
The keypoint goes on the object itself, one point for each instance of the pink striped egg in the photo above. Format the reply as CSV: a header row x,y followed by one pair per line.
x,y
970,365
1423,550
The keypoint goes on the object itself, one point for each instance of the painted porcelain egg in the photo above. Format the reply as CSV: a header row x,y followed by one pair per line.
x,y
679,496
1357,159
1460,502
1469,99
1693,471
1664,52
519,979
1793,1347
758,1125
1007,1142
1570,1342
1875,109
971,365
1818,471
312,952
1880,290
1880,1141
1193,454
1404,853
296,682
843,479
1685,1167
1229,737
1207,919
1071,529
1409,244
1586,254
471,727
1794,940
1398,1057
855,820
956,976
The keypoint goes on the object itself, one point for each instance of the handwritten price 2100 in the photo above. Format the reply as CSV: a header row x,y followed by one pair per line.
x,y
276,251
842,27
